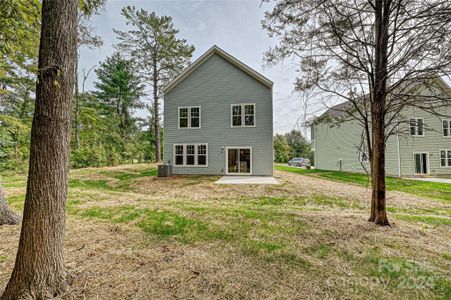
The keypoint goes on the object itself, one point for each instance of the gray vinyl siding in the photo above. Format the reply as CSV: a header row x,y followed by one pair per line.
x,y
214,86
333,143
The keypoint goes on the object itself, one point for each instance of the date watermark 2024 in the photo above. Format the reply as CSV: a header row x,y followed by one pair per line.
x,y
402,275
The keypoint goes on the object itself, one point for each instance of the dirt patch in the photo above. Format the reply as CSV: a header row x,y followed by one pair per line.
x,y
311,184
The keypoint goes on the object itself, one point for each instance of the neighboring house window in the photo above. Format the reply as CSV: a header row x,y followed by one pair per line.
x,y
416,126
447,128
189,117
236,115
445,158
195,117
363,157
243,115
191,155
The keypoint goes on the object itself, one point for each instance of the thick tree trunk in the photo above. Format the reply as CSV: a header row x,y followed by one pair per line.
x,y
77,105
39,271
378,213
7,217
156,114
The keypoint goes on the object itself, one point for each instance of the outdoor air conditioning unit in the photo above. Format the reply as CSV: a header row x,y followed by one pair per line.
x,y
164,170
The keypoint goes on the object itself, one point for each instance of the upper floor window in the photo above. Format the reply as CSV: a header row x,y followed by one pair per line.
x,y
243,115
447,128
195,155
416,126
445,158
189,117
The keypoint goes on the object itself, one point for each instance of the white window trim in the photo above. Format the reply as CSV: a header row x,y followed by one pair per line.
x,y
428,163
243,116
196,155
446,158
227,160
449,128
189,117
416,120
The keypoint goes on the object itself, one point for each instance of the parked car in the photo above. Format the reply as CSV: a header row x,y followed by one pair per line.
x,y
300,162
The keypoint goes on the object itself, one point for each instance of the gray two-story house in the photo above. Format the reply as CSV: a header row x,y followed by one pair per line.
x,y
421,146
218,118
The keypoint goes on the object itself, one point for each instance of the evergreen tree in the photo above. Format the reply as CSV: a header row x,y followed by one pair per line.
x,y
120,88
160,55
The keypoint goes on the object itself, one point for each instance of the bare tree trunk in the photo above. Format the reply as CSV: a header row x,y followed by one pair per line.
x,y
378,211
39,271
77,104
7,216
156,113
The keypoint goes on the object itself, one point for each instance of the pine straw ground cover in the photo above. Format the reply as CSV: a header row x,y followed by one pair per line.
x,y
131,235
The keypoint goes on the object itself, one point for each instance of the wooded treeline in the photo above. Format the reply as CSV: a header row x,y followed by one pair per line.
x,y
105,129
290,145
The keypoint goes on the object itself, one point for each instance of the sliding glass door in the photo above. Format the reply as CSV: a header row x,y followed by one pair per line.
x,y
239,160
421,163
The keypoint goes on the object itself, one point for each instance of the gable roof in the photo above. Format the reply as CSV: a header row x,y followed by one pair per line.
x,y
339,110
210,52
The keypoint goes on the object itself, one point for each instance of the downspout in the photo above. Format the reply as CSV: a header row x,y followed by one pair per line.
x,y
314,154
399,148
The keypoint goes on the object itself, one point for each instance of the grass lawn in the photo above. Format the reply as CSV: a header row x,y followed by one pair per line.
x,y
435,190
131,235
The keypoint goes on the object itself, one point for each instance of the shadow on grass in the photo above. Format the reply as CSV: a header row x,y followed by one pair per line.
x,y
117,180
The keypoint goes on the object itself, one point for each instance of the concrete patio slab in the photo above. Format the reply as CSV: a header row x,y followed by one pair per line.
x,y
433,179
247,180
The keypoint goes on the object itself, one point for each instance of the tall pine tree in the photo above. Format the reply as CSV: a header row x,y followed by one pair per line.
x,y
120,88
161,56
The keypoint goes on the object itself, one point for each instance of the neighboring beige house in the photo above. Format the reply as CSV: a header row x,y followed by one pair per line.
x,y
422,149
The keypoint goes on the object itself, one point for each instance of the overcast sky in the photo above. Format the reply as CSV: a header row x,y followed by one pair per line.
x,y
233,25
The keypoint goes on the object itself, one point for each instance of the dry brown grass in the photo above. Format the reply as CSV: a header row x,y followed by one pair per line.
x,y
321,240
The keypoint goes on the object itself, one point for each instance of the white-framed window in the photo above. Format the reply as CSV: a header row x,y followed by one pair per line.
x,y
179,155
191,155
202,155
363,157
445,158
416,126
189,117
243,115
446,125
